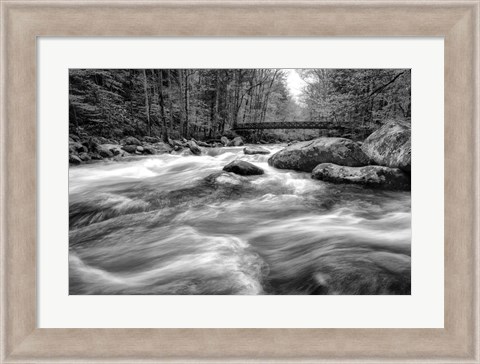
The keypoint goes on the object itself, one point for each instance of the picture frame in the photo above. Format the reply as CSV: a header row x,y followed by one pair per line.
x,y
24,21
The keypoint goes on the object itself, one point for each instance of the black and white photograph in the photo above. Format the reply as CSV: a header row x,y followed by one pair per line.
x,y
239,181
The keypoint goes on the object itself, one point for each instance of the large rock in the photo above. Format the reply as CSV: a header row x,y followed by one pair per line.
x,y
371,176
130,148
224,140
305,156
194,148
243,168
104,151
390,145
115,149
162,147
225,179
74,159
235,142
76,147
255,150
131,141
85,157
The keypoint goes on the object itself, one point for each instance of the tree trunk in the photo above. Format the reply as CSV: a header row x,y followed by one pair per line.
x,y
161,103
181,107
147,106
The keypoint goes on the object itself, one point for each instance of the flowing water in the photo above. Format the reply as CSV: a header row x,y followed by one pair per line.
x,y
174,224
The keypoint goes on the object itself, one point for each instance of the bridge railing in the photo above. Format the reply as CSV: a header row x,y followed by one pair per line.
x,y
316,124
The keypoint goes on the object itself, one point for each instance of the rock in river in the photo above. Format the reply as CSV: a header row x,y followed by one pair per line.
x,y
194,148
371,176
390,145
131,141
224,140
130,148
235,142
255,150
243,168
305,156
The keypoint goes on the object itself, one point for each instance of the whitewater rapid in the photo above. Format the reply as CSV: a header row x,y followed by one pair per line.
x,y
158,225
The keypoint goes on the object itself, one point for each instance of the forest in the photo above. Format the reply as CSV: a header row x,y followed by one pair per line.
x,y
206,104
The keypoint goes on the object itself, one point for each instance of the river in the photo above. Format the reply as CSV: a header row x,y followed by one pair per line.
x,y
158,225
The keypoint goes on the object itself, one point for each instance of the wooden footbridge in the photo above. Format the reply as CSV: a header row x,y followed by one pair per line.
x,y
326,125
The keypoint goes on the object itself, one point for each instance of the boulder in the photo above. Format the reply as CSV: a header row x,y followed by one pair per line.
x,y
131,141
149,149
194,148
76,147
305,156
255,150
130,148
102,140
224,140
84,157
115,149
235,142
371,176
243,168
140,149
390,145
104,151
176,143
162,147
225,179
74,159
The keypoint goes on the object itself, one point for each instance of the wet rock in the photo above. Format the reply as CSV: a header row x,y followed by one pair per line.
x,y
305,156
162,147
76,147
390,145
224,140
131,141
115,149
149,149
84,157
243,168
104,151
130,148
102,140
194,147
236,142
74,159
225,179
255,150
370,176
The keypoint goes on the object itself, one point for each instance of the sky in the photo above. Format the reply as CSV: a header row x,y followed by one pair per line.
x,y
295,83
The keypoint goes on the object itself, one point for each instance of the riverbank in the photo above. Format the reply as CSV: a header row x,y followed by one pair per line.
x,y
90,148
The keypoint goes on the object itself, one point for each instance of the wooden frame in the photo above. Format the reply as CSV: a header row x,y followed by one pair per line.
x,y
23,21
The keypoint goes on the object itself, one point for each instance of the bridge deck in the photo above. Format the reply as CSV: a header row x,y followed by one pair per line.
x,y
292,125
